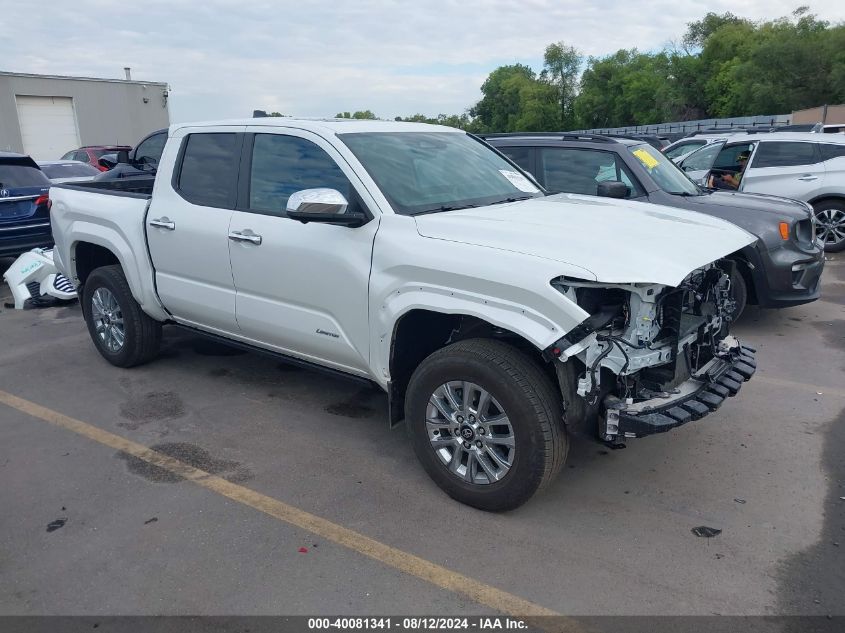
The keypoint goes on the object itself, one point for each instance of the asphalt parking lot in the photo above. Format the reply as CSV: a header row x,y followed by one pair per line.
x,y
315,507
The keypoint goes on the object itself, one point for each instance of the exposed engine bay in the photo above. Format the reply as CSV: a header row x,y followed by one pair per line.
x,y
650,348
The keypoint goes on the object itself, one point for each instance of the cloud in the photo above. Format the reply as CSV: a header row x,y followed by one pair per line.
x,y
224,58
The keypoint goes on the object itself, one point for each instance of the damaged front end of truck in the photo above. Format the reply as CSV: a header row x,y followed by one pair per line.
x,y
649,357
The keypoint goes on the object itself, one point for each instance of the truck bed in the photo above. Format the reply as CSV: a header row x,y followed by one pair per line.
x,y
130,187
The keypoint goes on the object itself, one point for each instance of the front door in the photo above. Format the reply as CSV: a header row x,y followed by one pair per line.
x,y
188,228
302,289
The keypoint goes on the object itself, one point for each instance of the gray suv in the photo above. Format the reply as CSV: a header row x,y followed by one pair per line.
x,y
783,268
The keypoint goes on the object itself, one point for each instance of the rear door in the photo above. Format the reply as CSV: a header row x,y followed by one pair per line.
x,y
792,169
188,227
302,289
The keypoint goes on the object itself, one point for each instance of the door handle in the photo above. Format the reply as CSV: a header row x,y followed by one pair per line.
x,y
808,177
163,223
237,236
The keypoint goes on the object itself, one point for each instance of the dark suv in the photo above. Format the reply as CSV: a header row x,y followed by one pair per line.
x,y
141,162
783,268
24,216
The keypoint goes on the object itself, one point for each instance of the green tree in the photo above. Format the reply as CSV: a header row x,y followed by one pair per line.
x,y
560,70
515,100
360,114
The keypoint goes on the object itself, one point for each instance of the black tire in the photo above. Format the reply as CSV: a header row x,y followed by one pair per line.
x,y
835,208
530,400
739,291
142,333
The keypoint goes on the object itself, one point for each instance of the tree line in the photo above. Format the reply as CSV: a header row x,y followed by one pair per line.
x,y
722,66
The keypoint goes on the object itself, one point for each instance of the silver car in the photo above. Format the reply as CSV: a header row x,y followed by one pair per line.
x,y
59,171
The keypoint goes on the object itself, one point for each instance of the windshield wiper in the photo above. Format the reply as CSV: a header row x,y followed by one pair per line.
x,y
517,199
685,194
445,207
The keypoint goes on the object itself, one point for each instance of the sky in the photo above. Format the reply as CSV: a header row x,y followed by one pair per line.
x,y
225,58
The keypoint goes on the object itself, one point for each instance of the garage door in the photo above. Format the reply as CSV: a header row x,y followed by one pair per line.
x,y
48,126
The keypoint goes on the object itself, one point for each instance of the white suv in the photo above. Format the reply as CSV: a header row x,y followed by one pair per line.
x,y
803,166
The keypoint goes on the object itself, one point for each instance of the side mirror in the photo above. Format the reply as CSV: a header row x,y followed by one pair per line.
x,y
612,189
123,156
108,161
327,206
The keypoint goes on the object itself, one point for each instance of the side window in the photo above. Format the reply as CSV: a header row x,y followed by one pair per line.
x,y
68,156
831,151
83,156
784,154
282,165
580,170
728,158
209,169
683,148
702,159
149,151
520,155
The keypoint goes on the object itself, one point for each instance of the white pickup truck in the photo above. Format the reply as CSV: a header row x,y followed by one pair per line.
x,y
497,319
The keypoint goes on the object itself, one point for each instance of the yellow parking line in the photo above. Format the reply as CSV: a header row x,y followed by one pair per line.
x,y
437,575
803,386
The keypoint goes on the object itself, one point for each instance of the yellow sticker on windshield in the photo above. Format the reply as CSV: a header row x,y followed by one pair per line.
x,y
645,158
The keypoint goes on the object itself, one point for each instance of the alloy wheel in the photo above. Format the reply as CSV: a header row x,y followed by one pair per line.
x,y
470,432
108,319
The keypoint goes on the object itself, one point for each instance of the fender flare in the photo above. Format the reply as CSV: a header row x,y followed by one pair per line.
x,y
142,285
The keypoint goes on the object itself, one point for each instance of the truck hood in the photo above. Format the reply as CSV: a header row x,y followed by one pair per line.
x,y
757,203
618,241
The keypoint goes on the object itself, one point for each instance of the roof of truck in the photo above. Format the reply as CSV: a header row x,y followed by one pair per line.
x,y
335,126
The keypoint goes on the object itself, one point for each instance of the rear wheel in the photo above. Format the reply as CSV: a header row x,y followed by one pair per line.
x,y
486,423
830,224
123,333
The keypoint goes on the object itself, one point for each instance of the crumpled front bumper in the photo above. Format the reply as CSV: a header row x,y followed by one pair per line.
x,y
698,396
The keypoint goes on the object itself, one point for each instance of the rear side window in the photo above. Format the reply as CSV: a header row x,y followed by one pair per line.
x,y
831,151
785,154
520,155
282,165
20,173
209,170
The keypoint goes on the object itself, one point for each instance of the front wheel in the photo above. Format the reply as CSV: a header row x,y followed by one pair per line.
x,y
739,293
123,333
486,423
830,224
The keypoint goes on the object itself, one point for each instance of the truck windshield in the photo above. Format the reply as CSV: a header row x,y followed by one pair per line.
x,y
427,172
663,171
